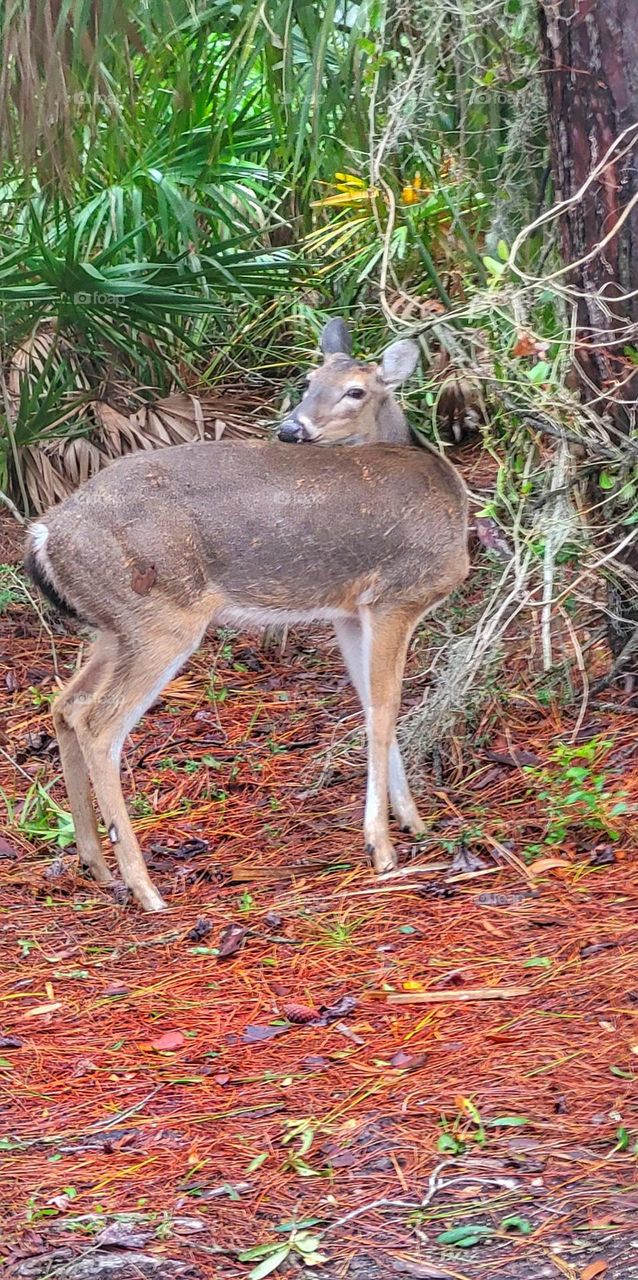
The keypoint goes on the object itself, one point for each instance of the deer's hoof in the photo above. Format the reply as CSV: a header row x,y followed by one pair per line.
x,y
150,899
411,823
383,856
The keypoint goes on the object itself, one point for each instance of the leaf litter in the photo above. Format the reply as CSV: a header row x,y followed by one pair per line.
x,y
359,1035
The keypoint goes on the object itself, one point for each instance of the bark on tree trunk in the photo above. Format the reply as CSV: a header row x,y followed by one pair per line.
x,y
590,64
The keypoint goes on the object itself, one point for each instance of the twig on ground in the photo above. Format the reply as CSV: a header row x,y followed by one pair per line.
x,y
434,1184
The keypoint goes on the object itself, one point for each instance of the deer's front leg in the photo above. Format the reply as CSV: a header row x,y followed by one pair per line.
x,y
386,637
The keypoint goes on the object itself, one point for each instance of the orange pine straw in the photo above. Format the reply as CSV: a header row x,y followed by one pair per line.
x,y
97,1122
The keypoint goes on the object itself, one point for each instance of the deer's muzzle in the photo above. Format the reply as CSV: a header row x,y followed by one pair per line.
x,y
290,431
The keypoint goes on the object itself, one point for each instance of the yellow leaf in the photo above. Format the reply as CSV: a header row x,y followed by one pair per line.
x,y
409,195
341,198
350,179
412,985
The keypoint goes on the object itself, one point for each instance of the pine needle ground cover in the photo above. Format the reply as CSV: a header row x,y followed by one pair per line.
x,y
299,1069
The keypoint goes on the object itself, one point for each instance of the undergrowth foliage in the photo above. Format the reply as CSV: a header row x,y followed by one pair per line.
x,y
189,191
167,168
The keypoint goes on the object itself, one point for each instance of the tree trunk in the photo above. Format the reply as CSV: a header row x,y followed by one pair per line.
x,y
590,64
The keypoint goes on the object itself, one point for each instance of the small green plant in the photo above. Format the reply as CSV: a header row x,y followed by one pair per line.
x,y
141,805
215,793
465,1127
41,698
39,816
164,1228
302,1134
270,1256
577,792
215,690
11,588
470,1233
624,1140
338,931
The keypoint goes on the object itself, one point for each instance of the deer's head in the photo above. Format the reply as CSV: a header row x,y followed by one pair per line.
x,y
345,400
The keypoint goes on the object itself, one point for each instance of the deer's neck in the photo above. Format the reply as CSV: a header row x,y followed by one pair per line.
x,y
391,424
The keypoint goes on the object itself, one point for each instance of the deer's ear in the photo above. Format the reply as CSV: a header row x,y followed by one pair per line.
x,y
399,362
335,339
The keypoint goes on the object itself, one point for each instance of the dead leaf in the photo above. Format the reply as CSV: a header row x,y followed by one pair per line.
x,y
61,1202
345,1030
10,1042
273,920
115,989
524,346
168,1042
339,1009
231,940
546,864
594,948
464,861
515,759
492,537
408,1061
593,1269
486,779
8,850
55,869
603,857
342,1159
254,1033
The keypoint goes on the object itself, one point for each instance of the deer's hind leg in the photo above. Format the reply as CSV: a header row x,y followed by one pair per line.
x,y
350,639
144,663
82,690
386,636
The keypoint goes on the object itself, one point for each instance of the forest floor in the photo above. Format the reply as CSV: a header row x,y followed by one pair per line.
x,y
294,1043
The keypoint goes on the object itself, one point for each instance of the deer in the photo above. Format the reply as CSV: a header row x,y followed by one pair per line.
x,y
159,546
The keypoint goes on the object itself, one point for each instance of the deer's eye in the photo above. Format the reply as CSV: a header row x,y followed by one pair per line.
x,y
355,393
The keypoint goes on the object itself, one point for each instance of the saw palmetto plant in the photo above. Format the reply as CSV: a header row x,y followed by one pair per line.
x,y
186,189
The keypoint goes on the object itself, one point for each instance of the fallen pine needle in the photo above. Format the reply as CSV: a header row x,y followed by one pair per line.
x,y
442,997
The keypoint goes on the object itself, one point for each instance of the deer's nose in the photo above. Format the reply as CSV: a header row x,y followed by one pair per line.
x,y
290,432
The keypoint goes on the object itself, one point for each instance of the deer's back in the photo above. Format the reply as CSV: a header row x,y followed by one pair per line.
x,y
271,526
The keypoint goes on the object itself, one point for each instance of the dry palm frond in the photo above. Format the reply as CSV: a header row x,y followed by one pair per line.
x,y
52,468
43,347
83,435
